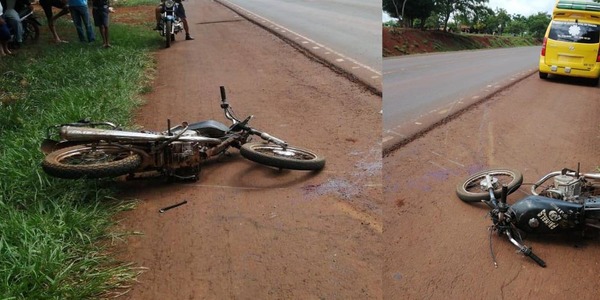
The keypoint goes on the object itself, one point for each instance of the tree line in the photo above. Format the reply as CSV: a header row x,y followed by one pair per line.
x,y
472,16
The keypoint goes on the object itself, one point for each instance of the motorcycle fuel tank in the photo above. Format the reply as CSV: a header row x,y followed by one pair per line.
x,y
537,214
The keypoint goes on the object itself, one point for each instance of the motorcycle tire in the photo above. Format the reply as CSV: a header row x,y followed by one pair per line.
x,y
168,30
31,32
275,156
470,190
84,161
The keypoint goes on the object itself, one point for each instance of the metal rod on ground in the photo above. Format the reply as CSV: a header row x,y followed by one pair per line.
x,y
162,210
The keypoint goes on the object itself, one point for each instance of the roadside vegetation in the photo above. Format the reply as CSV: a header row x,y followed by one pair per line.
x,y
404,41
54,234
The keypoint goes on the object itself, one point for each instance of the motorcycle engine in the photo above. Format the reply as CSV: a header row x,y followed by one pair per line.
x,y
571,189
567,188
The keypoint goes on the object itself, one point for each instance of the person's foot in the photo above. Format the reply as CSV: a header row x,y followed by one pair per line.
x,y
188,37
158,27
106,46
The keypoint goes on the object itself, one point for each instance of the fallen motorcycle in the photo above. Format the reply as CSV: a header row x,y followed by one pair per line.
x,y
568,204
87,150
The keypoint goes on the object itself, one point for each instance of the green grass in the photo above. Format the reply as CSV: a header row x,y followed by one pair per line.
x,y
134,2
54,234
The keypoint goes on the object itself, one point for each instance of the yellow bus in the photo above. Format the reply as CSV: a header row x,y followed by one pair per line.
x,y
572,42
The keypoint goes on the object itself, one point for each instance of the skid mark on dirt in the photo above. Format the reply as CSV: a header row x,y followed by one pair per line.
x,y
365,218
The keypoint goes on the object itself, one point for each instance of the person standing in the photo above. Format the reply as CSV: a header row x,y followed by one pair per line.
x,y
100,11
47,6
81,17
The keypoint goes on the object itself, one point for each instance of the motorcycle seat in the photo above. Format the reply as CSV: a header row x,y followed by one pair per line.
x,y
210,128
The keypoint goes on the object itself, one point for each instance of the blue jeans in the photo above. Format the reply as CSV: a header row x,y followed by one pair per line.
x,y
81,14
14,21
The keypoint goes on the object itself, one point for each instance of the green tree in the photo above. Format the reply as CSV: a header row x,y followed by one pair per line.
x,y
448,7
503,19
516,27
409,10
536,24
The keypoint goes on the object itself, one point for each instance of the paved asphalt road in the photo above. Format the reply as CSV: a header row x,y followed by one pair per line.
x,y
417,86
350,27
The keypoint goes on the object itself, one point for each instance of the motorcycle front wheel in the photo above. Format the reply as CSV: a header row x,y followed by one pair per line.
x,y
293,158
471,190
84,161
168,30
31,32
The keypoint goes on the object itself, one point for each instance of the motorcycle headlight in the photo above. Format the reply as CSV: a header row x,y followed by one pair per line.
x,y
169,3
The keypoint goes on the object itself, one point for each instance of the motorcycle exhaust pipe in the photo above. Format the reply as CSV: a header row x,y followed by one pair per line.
x,y
82,134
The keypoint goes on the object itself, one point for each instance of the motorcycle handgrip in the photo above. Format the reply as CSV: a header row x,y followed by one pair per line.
x,y
222,93
538,260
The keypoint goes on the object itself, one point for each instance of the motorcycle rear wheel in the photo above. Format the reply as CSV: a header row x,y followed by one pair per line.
x,y
470,190
293,158
84,161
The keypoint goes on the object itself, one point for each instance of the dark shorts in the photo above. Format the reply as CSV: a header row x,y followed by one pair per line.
x,y
180,12
4,32
48,4
100,16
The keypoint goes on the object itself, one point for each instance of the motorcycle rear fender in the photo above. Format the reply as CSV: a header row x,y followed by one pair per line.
x,y
537,214
49,145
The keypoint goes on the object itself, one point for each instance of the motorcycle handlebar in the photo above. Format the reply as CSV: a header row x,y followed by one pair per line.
x,y
223,98
538,260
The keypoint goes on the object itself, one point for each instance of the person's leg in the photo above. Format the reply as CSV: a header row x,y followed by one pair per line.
x,y
104,32
4,37
61,13
76,12
105,21
188,37
157,13
47,7
12,18
181,14
88,25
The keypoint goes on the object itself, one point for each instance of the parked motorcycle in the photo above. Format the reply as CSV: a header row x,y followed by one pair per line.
x,y
101,149
170,23
568,204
